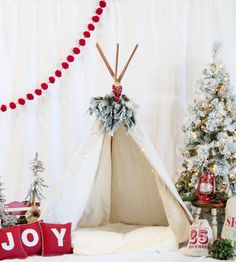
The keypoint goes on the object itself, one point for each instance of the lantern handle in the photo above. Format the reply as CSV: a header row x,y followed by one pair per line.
x,y
213,185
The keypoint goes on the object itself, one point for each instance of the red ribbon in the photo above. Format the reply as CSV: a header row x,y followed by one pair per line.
x,y
64,65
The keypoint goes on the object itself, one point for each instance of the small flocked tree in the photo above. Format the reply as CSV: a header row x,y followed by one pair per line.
x,y
3,215
210,133
36,188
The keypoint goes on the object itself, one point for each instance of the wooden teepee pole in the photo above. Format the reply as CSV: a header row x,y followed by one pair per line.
x,y
105,60
127,64
117,60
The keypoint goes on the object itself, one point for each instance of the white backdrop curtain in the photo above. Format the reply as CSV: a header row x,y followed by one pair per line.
x,y
175,39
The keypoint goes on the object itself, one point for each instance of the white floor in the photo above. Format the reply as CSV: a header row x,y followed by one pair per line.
x,y
127,257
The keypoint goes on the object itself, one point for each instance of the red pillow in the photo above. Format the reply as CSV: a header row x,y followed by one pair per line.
x,y
56,239
31,238
10,243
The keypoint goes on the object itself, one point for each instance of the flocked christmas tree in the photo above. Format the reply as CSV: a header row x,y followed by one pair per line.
x,y
36,188
210,133
3,215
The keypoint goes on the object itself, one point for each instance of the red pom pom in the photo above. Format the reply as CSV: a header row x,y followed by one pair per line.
x,y
30,96
70,58
119,90
116,98
99,11
58,73
102,4
12,105
3,108
51,79
91,27
86,34
65,65
38,92
82,42
44,86
95,19
21,101
76,50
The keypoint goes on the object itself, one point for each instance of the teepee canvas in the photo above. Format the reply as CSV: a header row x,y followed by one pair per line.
x,y
116,176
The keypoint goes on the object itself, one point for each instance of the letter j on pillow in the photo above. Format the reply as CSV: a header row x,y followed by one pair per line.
x,y
10,243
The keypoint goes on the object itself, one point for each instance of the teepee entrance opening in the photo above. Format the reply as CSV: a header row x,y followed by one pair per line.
x,y
125,189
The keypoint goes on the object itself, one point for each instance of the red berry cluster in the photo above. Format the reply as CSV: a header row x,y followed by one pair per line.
x,y
117,91
64,65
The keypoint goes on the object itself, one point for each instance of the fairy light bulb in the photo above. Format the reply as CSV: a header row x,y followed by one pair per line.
x,y
214,168
95,135
194,135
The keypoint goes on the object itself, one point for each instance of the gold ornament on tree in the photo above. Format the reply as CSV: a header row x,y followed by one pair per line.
x,y
35,192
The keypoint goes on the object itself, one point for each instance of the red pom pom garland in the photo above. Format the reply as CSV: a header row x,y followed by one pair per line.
x,y
82,42
44,86
58,73
102,4
91,27
64,65
51,79
95,19
3,108
76,50
99,11
38,92
86,34
30,96
21,101
70,58
12,105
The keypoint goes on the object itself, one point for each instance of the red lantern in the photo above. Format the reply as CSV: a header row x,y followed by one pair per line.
x,y
206,188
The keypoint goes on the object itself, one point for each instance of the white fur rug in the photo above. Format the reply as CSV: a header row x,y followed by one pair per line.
x,y
120,238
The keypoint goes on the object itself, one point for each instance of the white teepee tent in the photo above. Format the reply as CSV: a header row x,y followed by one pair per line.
x,y
117,179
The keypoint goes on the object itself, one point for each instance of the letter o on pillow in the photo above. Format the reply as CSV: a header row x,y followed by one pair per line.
x,y
31,238
25,239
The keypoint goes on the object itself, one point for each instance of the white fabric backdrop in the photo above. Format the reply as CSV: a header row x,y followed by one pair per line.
x,y
175,39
